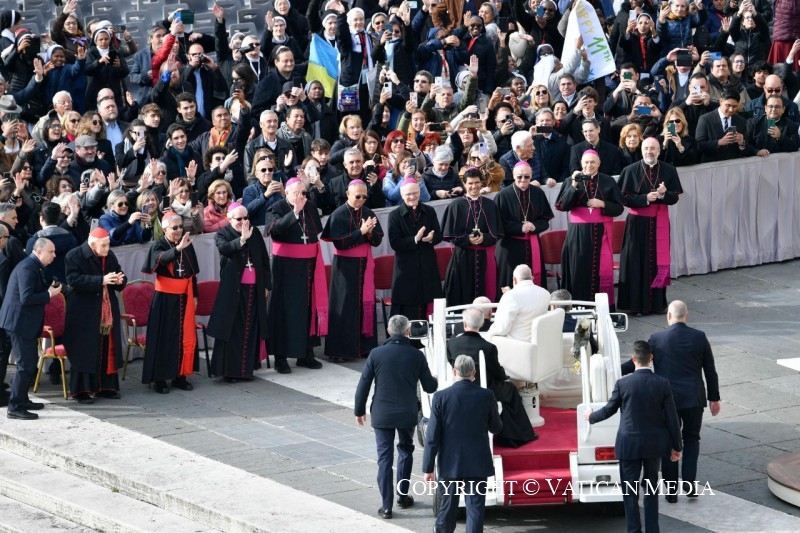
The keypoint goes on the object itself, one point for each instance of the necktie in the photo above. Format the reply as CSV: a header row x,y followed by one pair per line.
x,y
725,124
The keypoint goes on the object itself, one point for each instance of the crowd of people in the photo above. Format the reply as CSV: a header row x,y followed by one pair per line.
x,y
223,132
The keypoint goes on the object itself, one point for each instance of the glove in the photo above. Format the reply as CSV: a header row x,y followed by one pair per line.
x,y
165,76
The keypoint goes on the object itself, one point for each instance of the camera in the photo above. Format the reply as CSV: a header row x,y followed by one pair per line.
x,y
247,48
37,198
581,178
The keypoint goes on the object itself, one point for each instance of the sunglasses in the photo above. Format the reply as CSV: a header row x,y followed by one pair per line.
x,y
55,126
95,123
360,196
772,91
183,191
674,121
524,176
26,167
239,219
421,81
267,170
543,91
162,172
263,157
122,204
218,158
175,228
74,120
398,140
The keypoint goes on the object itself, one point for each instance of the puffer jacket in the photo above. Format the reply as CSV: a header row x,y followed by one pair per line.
x,y
677,33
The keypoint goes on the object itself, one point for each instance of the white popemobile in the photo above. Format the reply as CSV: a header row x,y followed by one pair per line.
x,y
571,461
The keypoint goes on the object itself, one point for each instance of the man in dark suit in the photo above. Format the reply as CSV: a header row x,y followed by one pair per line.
x,y
683,355
721,133
462,416
5,343
22,316
395,367
517,428
610,160
552,149
648,428
773,132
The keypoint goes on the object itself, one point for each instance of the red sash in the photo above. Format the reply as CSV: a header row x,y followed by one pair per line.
x,y
582,215
319,295
661,214
490,276
183,286
536,255
368,293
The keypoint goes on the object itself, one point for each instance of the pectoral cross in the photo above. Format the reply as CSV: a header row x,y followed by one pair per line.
x,y
476,228
590,210
179,270
304,237
249,265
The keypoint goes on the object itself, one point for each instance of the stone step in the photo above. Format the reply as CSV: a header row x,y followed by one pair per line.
x,y
215,495
16,517
83,504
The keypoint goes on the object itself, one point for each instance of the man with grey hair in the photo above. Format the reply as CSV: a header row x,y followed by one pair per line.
x,y
519,306
354,170
22,320
5,343
683,355
522,149
395,367
517,429
62,102
457,438
269,122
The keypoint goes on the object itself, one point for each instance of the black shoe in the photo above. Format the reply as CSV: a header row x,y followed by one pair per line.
x,y
34,406
162,387
84,399
55,379
404,502
22,414
282,367
230,380
110,394
672,499
181,383
692,492
383,513
310,362
6,386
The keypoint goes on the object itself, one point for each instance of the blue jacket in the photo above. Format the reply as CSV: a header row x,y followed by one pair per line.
x,y
678,33
391,190
22,312
256,203
121,231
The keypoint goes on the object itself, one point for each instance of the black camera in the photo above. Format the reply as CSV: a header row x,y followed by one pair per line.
x,y
581,177
247,48
37,198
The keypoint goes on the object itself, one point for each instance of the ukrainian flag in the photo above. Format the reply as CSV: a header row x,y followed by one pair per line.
x,y
323,64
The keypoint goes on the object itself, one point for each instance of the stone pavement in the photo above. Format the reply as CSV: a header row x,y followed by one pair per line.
x,y
299,430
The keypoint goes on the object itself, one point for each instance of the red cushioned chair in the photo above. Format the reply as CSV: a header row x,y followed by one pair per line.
x,y
206,296
136,299
616,240
552,242
443,255
384,269
55,314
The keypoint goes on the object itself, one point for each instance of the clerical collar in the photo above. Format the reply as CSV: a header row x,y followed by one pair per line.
x,y
648,164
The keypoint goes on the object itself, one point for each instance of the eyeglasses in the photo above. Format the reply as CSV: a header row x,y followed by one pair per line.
x,y
162,172
739,62
360,196
239,219
773,107
175,228
769,90
55,126
379,23
421,80
524,176
538,93
263,157
218,158
674,121
122,204
95,123
398,140
183,191
397,32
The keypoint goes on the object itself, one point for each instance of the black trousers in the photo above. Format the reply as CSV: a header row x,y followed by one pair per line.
x,y
26,371
691,421
640,476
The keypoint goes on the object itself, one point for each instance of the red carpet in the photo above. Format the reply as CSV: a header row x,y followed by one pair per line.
x,y
546,460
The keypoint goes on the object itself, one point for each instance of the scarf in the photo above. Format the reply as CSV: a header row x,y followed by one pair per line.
x,y
185,211
217,137
289,135
183,158
106,318
391,47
